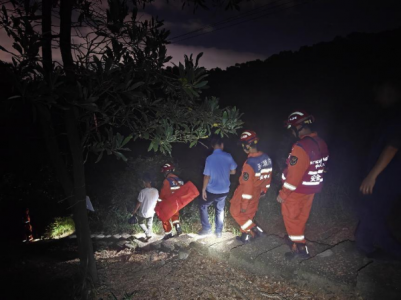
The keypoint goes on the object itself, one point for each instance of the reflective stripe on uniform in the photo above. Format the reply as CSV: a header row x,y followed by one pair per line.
x,y
169,232
315,172
283,177
159,200
289,186
247,224
176,221
246,196
267,186
325,158
266,170
312,182
297,237
174,187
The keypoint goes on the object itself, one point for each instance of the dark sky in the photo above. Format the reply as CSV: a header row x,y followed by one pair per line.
x,y
279,25
293,26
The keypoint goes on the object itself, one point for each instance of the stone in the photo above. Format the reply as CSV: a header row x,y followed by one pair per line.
x,y
99,236
336,273
125,236
244,256
183,255
380,280
117,236
167,246
326,253
222,247
131,245
121,244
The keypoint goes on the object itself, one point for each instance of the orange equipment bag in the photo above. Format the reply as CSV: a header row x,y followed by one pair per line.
x,y
173,203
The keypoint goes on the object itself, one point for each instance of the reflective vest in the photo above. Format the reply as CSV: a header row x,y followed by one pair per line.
x,y
175,183
312,180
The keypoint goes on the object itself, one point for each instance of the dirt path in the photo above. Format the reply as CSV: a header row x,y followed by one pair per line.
x,y
159,275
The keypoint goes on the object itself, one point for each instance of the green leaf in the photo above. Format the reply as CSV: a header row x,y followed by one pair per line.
x,y
126,140
99,157
192,144
120,155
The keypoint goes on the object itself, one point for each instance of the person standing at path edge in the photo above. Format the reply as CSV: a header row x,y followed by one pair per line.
x,y
253,183
145,207
380,188
302,179
216,185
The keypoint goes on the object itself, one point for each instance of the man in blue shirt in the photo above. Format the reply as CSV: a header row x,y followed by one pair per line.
x,y
216,185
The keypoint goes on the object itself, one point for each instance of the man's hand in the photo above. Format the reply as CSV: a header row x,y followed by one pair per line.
x,y
368,184
279,199
204,195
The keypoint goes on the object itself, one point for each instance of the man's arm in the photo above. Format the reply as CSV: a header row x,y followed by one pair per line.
x,y
385,158
233,167
138,205
206,179
296,171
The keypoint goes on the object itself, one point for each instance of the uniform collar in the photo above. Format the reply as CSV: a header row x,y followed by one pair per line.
x,y
217,150
259,153
313,134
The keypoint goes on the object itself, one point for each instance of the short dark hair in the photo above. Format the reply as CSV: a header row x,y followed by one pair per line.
x,y
216,140
147,178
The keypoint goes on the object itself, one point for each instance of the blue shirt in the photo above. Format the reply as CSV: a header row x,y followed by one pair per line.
x,y
218,167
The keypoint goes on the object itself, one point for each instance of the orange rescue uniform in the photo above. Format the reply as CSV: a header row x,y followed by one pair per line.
x,y
170,185
302,179
255,180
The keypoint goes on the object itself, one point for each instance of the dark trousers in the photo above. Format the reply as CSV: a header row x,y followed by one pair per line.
x,y
373,230
219,201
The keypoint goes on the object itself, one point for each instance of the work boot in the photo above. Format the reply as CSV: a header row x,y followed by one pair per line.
x,y
298,250
178,229
245,238
168,236
258,232
288,241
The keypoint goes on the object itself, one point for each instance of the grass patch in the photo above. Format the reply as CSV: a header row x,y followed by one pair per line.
x,y
61,226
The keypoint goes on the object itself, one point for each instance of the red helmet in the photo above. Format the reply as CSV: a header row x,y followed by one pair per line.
x,y
249,137
299,117
167,168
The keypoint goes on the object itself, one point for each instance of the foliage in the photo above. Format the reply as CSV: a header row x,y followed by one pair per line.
x,y
120,82
61,226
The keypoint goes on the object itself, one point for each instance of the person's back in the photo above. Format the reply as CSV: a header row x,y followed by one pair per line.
x,y
148,197
222,163
216,185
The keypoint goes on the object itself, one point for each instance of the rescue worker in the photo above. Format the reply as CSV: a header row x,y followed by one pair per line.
x,y
171,183
28,236
254,182
302,179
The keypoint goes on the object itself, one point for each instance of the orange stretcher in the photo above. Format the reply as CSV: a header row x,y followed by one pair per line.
x,y
175,202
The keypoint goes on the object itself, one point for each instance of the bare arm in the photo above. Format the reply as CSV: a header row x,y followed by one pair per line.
x,y
232,172
206,179
138,205
385,158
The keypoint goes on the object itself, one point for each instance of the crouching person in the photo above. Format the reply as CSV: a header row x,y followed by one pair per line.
x,y
145,207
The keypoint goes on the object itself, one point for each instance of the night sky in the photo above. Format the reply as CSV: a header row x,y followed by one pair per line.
x,y
278,25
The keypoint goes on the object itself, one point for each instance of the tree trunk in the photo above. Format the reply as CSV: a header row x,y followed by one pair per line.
x,y
85,247
47,38
88,263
